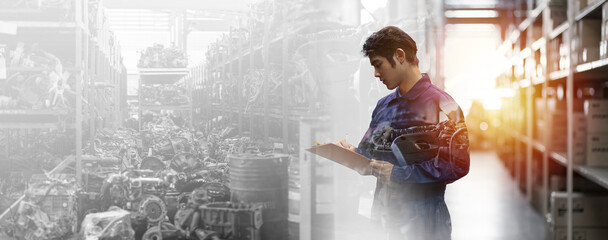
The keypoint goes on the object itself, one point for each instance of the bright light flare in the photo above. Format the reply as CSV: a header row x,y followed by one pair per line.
x,y
483,126
492,104
471,14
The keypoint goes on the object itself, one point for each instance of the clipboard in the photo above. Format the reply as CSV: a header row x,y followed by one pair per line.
x,y
341,155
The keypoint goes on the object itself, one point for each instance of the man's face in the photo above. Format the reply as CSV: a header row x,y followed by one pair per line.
x,y
389,75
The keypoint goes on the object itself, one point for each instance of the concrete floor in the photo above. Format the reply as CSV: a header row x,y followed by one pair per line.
x,y
486,204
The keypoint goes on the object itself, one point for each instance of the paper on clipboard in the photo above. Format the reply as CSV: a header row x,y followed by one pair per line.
x,y
341,155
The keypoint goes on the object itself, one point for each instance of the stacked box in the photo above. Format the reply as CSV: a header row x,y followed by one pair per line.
x,y
539,118
553,55
588,211
580,5
560,233
588,216
579,139
557,124
597,149
558,12
586,44
557,183
596,112
597,115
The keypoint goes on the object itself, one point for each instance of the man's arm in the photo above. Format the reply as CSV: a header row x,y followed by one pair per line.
x,y
449,165
445,167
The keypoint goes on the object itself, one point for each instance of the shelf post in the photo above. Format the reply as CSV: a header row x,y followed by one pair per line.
x,y
284,87
529,103
569,34
545,136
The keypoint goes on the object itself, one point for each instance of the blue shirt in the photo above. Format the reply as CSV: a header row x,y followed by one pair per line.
x,y
415,196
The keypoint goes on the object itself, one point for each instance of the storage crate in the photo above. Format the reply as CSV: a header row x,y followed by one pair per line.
x,y
58,206
56,199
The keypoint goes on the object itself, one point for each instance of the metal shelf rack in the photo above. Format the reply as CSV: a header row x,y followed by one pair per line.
x,y
530,77
90,55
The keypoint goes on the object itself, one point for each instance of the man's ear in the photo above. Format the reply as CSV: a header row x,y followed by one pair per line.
x,y
399,55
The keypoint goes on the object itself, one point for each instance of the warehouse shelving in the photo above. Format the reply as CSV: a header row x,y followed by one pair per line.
x,y
227,67
597,175
93,61
165,76
529,138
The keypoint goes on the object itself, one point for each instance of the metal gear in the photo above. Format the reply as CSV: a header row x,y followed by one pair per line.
x,y
153,208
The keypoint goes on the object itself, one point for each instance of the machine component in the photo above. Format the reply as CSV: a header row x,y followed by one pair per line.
x,y
139,223
173,201
112,224
416,146
199,196
263,179
420,143
94,178
32,223
170,147
206,235
188,185
115,191
143,186
152,163
158,56
184,162
153,208
233,221
154,95
187,219
181,145
131,158
88,202
147,184
217,192
166,231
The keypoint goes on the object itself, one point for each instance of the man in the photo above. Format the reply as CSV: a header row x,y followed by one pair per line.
x,y
409,196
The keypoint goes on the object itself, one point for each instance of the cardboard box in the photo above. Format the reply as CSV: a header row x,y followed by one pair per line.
x,y
557,183
579,6
590,54
557,125
596,112
579,148
580,122
587,41
597,150
587,210
560,233
556,105
553,55
558,13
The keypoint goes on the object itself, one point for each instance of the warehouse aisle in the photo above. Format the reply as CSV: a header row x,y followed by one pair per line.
x,y
487,205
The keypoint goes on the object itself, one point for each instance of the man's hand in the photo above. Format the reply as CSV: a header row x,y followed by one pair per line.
x,y
381,170
344,144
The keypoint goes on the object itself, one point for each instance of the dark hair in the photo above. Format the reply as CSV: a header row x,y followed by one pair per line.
x,y
387,40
